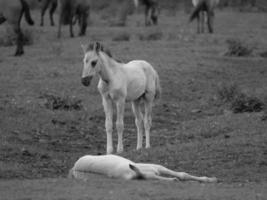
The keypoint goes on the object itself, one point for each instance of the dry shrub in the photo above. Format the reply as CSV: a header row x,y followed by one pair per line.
x,y
263,54
238,101
54,102
123,36
238,48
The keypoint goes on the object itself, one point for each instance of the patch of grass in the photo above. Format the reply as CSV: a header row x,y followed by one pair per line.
x,y
57,48
151,36
9,38
123,36
238,48
237,100
54,102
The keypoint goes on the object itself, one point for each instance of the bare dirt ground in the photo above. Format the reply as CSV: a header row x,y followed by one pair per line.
x,y
191,132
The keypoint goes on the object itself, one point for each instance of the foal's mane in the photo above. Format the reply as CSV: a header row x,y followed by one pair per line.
x,y
90,47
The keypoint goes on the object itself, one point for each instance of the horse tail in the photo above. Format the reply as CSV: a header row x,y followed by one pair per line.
x,y
158,88
26,10
139,174
196,11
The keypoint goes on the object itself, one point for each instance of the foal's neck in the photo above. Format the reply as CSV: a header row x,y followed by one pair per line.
x,y
108,67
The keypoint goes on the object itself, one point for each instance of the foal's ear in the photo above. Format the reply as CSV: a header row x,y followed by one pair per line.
x,y
84,48
97,47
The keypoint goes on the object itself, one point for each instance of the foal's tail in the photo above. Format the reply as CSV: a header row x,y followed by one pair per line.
x,y
197,9
71,175
26,10
158,88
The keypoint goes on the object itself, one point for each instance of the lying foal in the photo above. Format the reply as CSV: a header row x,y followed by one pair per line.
x,y
118,167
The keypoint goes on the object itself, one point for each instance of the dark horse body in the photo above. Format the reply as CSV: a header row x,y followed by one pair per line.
x,y
151,11
202,7
45,5
12,12
70,9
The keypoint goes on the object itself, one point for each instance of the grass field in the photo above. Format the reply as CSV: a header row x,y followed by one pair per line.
x,y
192,131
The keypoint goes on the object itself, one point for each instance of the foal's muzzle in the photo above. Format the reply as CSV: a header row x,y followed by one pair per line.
x,y
86,80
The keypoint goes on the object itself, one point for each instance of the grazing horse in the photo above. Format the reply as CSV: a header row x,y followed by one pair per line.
x,y
70,9
45,5
12,12
151,11
118,167
135,81
202,6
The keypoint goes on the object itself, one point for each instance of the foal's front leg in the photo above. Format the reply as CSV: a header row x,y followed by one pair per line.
x,y
120,124
107,103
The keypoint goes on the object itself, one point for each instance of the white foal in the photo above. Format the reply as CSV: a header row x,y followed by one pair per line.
x,y
118,167
135,81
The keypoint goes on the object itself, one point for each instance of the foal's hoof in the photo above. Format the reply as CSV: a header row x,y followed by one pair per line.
x,y
212,180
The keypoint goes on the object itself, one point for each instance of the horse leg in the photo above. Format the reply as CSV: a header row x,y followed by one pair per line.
x,y
198,23
71,24
148,121
51,12
184,176
83,23
119,123
20,37
210,21
45,6
154,15
59,22
138,122
202,18
108,108
146,16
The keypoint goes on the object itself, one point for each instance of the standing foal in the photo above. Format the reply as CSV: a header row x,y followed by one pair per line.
x,y
135,81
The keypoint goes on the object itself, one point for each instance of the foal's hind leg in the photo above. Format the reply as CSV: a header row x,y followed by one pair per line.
x,y
148,121
138,122
184,176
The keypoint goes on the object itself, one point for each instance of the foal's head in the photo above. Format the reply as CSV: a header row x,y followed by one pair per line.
x,y
91,61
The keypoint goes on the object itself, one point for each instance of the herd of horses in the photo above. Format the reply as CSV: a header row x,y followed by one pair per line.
x,y
136,81
72,11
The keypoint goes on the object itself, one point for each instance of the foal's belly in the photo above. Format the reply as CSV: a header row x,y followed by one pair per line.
x,y
136,86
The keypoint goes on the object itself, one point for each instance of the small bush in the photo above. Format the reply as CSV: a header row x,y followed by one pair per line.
x,y
246,104
54,102
238,48
263,54
237,100
158,35
124,36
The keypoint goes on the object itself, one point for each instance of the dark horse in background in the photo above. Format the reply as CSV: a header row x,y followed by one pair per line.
x,y
71,11
151,11
44,6
12,11
202,7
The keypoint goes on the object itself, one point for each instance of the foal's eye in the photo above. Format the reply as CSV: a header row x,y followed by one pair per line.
x,y
93,63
